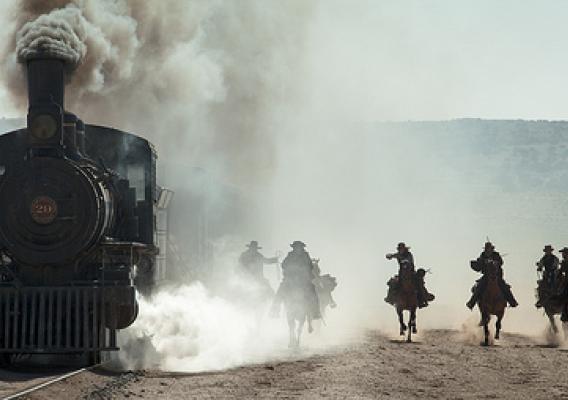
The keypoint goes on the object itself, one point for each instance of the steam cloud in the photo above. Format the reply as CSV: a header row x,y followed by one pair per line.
x,y
199,79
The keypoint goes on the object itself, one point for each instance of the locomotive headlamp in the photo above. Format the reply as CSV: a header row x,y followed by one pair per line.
x,y
43,126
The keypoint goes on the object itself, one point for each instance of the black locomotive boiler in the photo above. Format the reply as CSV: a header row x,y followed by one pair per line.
x,y
83,224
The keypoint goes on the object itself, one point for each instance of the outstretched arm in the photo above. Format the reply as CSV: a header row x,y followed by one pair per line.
x,y
270,260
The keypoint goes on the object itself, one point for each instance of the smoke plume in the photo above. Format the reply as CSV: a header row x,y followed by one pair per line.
x,y
199,79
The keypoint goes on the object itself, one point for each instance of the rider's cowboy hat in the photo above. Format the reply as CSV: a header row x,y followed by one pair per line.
x,y
489,245
548,248
254,245
564,250
298,243
403,245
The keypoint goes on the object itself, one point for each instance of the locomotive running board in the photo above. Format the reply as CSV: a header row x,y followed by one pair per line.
x,y
53,320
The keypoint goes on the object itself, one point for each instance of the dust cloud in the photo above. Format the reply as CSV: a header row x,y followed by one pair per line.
x,y
281,101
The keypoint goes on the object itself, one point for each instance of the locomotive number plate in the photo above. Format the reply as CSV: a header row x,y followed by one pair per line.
x,y
43,210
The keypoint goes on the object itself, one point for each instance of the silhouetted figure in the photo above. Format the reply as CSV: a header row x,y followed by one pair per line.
x,y
406,262
563,277
298,273
252,261
549,263
489,257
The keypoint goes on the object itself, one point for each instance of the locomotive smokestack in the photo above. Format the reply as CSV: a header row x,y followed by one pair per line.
x,y
46,81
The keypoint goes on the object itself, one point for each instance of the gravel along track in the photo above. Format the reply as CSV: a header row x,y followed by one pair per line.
x,y
441,364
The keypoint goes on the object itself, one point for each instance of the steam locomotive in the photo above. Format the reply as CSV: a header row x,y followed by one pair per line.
x,y
83,226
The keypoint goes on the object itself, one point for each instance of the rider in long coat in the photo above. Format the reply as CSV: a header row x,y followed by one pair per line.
x,y
406,263
549,263
252,263
298,273
486,258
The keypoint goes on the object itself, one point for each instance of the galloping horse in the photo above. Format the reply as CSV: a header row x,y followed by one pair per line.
x,y
553,305
407,299
297,314
492,302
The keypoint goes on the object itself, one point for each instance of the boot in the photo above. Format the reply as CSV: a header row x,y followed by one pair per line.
x,y
473,300
509,295
390,296
421,300
332,302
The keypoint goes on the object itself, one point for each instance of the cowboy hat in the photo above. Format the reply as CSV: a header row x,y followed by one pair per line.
x,y
489,245
564,250
402,245
254,244
297,243
548,248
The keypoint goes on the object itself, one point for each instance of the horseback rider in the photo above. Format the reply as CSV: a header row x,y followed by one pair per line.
x,y
298,273
324,284
549,263
252,261
406,263
486,259
563,278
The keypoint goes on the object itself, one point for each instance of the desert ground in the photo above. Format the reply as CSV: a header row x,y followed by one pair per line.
x,y
441,364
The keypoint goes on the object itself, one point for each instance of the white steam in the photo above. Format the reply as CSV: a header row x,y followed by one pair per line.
x,y
189,329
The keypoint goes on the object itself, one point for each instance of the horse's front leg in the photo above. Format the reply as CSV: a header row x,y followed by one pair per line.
x,y
413,320
401,321
292,332
485,323
498,326
553,325
300,330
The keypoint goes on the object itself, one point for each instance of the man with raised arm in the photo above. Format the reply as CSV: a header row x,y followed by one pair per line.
x,y
489,257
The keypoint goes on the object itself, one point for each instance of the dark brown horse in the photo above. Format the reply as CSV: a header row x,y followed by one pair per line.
x,y
492,302
407,299
553,305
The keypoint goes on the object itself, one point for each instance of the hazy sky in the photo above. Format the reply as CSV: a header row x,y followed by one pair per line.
x,y
429,59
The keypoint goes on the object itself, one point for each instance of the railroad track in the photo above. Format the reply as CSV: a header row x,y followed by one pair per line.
x,y
39,386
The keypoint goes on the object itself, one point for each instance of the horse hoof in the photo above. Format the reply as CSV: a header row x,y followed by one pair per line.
x,y
414,330
409,340
496,337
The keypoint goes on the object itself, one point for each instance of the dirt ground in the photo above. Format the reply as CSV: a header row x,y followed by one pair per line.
x,y
442,364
